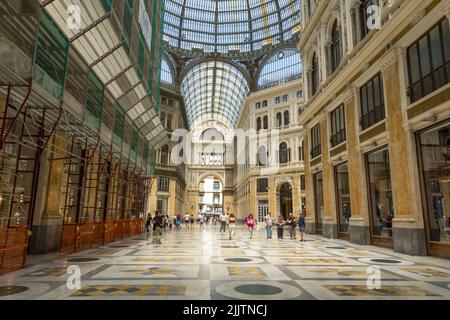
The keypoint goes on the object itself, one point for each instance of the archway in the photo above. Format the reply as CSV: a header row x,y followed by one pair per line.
x,y
286,204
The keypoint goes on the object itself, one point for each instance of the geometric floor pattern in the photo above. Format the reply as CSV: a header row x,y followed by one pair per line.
x,y
204,264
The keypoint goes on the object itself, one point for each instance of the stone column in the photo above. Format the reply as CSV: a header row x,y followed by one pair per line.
x,y
172,202
408,228
296,201
359,231
273,197
310,211
252,197
329,220
47,224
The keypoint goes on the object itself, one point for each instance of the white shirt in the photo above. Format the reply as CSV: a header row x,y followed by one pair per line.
x,y
269,221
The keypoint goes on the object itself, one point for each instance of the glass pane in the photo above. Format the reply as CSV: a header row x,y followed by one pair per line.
x,y
381,203
343,196
436,48
435,153
424,56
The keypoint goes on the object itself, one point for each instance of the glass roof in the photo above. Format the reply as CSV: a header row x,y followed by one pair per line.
x,y
226,26
214,90
283,66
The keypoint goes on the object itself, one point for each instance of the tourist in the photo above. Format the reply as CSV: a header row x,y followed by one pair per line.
x,y
301,226
201,221
192,221
269,224
186,219
158,225
251,225
231,225
292,226
223,223
280,227
148,222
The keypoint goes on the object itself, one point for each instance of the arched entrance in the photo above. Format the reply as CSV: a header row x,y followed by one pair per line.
x,y
285,200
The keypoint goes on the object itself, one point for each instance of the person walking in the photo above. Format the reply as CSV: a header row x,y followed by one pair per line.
x,y
292,226
231,225
201,221
301,226
186,220
192,221
148,222
280,227
269,224
158,225
251,225
223,223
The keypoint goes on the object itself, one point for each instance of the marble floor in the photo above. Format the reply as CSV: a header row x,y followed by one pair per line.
x,y
204,264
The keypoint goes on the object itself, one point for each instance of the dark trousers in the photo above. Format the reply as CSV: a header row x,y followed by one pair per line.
x,y
280,232
223,226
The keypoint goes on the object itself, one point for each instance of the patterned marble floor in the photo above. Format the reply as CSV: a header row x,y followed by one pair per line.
x,y
204,264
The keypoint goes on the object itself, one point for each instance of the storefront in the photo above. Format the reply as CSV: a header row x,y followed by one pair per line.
x,y
343,204
318,200
381,206
434,162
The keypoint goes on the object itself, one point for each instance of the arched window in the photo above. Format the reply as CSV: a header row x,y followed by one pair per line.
x,y
314,74
286,118
282,67
166,73
263,156
279,120
335,49
266,122
284,153
164,154
258,124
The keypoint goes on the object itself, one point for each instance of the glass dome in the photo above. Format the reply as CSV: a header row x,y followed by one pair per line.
x,y
230,26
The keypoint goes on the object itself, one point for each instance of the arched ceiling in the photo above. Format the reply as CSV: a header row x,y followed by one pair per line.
x,y
230,26
214,90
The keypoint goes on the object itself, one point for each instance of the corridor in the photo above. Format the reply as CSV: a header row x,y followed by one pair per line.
x,y
204,264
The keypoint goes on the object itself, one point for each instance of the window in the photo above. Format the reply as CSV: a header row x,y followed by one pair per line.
x,y
316,144
343,196
279,120
169,122
171,103
429,61
366,15
314,75
435,154
282,67
372,102
380,191
263,156
166,73
163,184
301,152
302,182
258,105
162,205
286,118
285,98
300,111
265,103
164,100
335,47
318,200
262,185
284,153
266,123
258,124
338,134
277,100
164,157
300,94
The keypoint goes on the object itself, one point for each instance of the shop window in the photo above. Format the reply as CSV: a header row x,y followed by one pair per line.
x,y
435,156
429,61
380,193
338,134
343,196
372,102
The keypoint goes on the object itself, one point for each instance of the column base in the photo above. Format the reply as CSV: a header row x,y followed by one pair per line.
x,y
410,241
310,228
46,237
359,235
329,230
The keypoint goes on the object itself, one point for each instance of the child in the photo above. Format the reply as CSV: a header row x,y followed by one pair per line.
x,y
250,225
